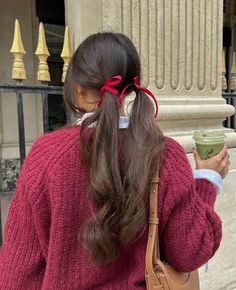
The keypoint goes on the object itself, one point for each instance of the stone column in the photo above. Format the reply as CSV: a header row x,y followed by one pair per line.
x,y
180,45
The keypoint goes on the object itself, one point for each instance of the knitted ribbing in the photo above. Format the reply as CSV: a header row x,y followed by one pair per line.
x,y
42,241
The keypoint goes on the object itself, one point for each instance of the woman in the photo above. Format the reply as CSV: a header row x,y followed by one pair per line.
x,y
78,218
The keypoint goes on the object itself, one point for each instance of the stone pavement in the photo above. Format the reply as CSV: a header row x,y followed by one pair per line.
x,y
221,274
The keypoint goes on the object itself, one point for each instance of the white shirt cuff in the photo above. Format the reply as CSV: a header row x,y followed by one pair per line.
x,y
210,175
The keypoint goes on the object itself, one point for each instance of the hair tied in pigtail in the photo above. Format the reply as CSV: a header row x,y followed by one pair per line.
x,y
146,91
139,88
108,86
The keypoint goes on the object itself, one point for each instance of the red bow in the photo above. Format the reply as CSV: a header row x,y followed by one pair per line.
x,y
139,88
108,86
110,83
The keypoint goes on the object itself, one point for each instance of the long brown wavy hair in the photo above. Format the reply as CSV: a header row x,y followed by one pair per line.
x,y
121,162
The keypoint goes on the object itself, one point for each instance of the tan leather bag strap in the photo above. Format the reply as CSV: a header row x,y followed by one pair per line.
x,y
153,249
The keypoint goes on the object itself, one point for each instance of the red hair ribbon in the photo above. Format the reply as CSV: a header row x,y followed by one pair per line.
x,y
109,85
139,88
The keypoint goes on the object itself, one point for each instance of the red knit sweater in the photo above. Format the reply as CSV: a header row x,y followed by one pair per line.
x,y
42,248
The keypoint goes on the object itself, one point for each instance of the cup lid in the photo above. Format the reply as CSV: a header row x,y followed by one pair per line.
x,y
209,136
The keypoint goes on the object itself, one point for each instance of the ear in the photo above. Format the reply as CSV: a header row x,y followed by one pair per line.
x,y
79,90
86,99
90,96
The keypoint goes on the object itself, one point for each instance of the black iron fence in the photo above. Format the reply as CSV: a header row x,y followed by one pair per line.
x,y
20,90
230,98
54,115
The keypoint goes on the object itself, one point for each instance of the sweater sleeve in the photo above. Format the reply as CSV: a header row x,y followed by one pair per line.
x,y
193,230
21,261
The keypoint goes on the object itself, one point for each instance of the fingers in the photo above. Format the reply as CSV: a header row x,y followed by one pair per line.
x,y
225,161
221,155
223,152
197,159
225,166
196,155
224,172
220,162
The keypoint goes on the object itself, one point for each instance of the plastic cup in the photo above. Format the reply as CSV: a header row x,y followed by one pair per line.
x,y
209,143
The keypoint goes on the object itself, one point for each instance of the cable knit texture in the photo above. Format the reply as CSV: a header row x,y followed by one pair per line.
x,y
42,242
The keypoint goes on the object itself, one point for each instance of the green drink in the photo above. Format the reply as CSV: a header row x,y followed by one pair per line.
x,y
209,143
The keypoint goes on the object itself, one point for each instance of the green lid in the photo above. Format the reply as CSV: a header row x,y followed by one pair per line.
x,y
209,136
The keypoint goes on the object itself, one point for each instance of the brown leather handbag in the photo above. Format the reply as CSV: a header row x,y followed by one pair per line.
x,y
158,274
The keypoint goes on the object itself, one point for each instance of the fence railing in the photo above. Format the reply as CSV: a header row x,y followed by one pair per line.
x,y
230,98
43,76
229,88
21,89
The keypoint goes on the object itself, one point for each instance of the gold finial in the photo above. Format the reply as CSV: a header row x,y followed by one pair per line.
x,y
18,51
66,53
224,83
232,83
42,53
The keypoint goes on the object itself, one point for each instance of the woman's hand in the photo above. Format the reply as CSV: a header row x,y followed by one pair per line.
x,y
219,162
